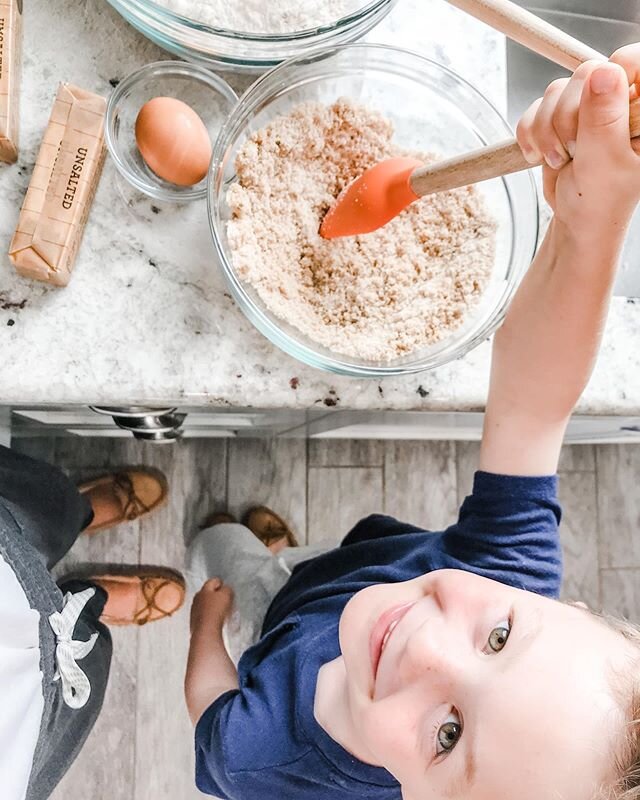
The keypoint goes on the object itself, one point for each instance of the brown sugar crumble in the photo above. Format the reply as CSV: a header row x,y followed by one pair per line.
x,y
375,297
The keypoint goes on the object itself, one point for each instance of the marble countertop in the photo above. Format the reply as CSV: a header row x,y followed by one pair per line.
x,y
147,318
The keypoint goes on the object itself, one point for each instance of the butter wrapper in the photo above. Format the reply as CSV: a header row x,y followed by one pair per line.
x,y
62,186
10,58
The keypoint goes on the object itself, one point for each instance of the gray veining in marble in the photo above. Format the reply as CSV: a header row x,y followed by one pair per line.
x,y
147,318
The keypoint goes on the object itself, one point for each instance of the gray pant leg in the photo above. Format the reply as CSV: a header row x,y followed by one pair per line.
x,y
46,505
65,730
41,515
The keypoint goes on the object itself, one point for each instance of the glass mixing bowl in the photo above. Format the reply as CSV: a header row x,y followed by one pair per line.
x,y
433,110
202,41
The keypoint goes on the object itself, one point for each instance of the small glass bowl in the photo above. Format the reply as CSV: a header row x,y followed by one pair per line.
x,y
207,94
433,110
204,43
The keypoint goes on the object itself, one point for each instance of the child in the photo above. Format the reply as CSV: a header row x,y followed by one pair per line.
x,y
440,665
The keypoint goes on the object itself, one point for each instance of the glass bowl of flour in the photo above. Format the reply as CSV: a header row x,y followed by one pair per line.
x,y
420,292
252,35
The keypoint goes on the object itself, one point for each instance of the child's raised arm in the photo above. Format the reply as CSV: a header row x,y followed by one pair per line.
x,y
544,353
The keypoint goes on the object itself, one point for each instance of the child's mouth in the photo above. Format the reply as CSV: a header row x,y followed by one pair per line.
x,y
382,631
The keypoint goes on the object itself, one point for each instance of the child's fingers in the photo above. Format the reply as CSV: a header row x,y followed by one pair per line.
x,y
546,139
212,602
603,118
549,182
524,133
628,58
565,115
535,132
212,585
227,593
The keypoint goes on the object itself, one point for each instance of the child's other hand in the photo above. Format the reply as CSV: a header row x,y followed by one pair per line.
x,y
211,605
210,671
581,129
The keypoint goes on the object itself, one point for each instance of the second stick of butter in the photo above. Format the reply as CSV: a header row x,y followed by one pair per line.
x,y
61,189
10,58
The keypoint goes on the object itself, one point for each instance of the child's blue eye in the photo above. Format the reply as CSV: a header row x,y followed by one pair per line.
x,y
498,636
449,733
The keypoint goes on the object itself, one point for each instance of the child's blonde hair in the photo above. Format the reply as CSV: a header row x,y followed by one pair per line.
x,y
627,762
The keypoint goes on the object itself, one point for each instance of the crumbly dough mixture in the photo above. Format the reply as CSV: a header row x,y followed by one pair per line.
x,y
264,16
375,297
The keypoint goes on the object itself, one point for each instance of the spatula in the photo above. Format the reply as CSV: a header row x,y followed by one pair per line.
x,y
384,190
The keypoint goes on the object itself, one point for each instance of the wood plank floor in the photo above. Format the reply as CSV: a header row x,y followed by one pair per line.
x,y
141,746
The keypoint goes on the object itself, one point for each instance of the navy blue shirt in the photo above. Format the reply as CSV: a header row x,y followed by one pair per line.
x,y
262,741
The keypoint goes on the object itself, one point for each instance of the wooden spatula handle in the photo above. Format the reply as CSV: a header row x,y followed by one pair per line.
x,y
529,30
541,37
479,165
506,157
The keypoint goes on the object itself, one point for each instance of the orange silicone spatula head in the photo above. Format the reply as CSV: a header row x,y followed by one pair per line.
x,y
371,200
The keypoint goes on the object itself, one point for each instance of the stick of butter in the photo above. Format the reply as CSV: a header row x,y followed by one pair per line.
x,y
10,58
61,189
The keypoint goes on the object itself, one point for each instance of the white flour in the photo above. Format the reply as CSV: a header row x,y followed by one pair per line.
x,y
375,297
264,16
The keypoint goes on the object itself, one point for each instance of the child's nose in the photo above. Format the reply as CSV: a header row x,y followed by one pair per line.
x,y
437,650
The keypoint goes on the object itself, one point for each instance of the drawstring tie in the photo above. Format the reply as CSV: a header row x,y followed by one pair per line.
x,y
76,688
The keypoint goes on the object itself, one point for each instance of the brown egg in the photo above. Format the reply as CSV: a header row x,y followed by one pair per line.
x,y
173,141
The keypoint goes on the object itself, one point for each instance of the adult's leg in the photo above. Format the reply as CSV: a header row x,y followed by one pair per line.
x,y
43,514
46,506
64,728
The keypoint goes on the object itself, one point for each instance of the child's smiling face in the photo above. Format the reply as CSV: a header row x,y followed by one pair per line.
x,y
479,690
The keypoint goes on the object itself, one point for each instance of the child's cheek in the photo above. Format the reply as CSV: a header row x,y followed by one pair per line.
x,y
390,728
362,609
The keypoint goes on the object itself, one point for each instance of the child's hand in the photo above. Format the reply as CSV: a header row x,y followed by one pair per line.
x,y
581,129
210,671
211,605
